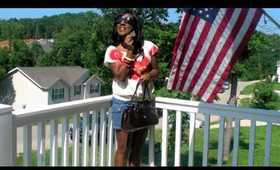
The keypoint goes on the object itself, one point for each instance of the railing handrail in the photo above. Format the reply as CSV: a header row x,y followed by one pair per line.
x,y
100,105
222,109
27,116
4,109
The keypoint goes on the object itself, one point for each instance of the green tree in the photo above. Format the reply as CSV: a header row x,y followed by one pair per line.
x,y
19,55
163,36
263,56
11,29
147,15
3,62
37,53
68,47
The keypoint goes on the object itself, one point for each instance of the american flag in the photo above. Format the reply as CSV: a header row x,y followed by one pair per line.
x,y
207,46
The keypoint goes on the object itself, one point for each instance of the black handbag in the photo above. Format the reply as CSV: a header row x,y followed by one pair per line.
x,y
140,114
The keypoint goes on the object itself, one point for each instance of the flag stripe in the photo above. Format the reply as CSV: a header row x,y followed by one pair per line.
x,y
254,21
209,44
183,25
222,53
203,36
186,46
213,50
196,40
228,56
179,51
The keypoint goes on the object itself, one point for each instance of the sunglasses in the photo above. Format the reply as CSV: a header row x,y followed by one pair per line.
x,y
126,18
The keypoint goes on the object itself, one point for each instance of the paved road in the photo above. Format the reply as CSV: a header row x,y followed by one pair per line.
x,y
240,86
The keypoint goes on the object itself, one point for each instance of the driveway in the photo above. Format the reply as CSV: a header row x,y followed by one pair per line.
x,y
224,98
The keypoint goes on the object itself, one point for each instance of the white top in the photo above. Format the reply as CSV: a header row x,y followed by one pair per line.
x,y
127,87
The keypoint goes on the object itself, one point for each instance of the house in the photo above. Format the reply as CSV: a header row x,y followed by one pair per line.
x,y
29,87
46,44
278,71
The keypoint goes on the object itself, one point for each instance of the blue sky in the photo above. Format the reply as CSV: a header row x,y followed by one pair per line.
x,y
7,13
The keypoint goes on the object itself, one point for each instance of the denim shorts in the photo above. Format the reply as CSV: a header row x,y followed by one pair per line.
x,y
117,107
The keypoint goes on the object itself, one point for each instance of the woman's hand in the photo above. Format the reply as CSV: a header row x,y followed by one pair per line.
x,y
119,70
152,74
129,39
128,45
140,70
146,76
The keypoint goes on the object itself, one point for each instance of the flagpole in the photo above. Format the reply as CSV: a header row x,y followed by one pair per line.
x,y
271,19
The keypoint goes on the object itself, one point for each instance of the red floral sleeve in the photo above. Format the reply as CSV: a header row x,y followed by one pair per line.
x,y
153,50
112,55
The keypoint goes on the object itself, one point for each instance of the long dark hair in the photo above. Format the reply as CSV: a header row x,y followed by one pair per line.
x,y
137,27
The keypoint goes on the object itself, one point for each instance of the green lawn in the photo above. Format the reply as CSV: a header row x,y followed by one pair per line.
x,y
213,145
19,160
244,102
249,89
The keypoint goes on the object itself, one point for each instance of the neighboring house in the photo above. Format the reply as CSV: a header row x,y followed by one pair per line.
x,y
46,44
278,71
29,87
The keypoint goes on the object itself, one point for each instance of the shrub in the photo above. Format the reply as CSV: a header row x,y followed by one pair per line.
x,y
263,96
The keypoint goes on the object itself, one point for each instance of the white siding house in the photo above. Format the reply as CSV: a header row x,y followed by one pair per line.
x,y
29,87
27,93
278,71
55,94
92,87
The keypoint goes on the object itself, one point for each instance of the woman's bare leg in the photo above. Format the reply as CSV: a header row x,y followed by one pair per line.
x,y
122,148
138,139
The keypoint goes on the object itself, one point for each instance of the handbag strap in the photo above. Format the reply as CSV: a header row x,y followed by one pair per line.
x,y
146,91
135,92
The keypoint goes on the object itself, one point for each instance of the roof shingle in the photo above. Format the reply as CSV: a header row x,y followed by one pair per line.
x,y
47,76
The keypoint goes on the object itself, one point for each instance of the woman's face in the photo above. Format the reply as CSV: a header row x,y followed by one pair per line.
x,y
123,28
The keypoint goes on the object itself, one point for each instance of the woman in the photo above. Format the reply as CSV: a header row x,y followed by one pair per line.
x,y
130,59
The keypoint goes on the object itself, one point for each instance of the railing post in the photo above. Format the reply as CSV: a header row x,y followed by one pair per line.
x,y
7,136
152,146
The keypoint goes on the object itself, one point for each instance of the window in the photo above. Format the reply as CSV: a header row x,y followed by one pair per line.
x,y
57,94
94,88
77,90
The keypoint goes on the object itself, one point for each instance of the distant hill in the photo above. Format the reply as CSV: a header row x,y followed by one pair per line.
x,y
46,44
45,27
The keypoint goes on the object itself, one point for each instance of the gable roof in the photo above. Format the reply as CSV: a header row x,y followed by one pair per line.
x,y
45,77
93,77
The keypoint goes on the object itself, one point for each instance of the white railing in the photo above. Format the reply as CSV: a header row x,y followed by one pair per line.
x,y
67,114
193,108
55,148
